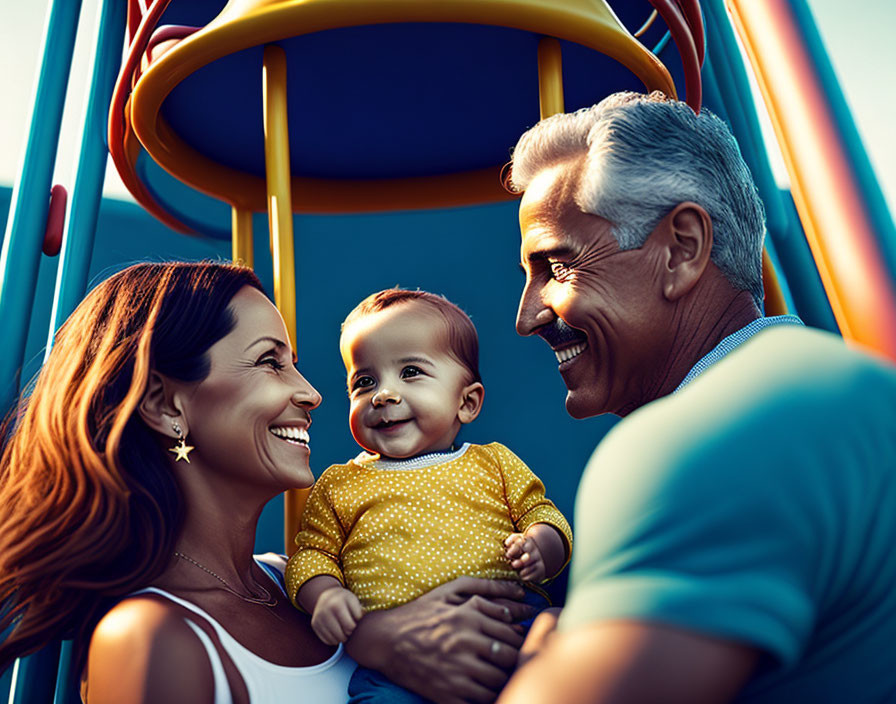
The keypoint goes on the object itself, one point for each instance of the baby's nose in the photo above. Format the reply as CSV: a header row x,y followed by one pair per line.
x,y
384,396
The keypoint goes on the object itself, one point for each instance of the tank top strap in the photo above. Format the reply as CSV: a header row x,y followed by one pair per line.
x,y
188,605
223,694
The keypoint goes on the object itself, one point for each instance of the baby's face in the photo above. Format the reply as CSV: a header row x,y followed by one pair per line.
x,y
404,387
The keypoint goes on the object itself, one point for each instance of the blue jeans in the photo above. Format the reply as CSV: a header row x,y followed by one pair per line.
x,y
371,687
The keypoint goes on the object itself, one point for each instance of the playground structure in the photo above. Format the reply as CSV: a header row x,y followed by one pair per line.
x,y
342,109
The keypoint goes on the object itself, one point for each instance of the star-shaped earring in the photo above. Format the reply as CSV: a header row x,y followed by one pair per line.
x,y
182,450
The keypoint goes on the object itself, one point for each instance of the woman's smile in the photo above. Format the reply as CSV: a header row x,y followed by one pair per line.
x,y
291,434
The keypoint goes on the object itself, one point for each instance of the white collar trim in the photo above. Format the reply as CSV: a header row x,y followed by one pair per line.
x,y
430,459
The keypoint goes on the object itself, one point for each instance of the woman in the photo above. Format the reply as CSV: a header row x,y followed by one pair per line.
x,y
167,415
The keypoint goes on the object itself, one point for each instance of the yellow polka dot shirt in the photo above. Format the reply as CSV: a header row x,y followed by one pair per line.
x,y
392,531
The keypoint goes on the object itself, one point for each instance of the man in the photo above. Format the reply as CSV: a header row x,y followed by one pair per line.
x,y
735,530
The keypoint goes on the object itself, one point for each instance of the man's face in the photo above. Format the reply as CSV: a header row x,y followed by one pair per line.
x,y
599,308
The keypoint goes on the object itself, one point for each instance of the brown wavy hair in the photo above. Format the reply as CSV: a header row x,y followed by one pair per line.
x,y
89,508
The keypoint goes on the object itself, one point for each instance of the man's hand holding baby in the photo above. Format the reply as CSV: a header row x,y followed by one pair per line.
x,y
537,554
334,610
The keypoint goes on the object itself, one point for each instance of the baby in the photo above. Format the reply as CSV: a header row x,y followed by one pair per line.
x,y
414,511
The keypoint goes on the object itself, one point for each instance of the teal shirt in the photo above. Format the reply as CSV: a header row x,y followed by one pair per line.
x,y
757,504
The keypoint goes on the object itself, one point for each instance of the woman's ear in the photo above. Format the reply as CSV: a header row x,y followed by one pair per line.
x,y
686,236
470,402
160,409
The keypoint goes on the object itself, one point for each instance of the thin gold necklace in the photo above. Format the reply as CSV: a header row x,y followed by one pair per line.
x,y
266,600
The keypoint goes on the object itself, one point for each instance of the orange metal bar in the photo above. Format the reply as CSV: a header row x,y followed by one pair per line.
x,y
827,196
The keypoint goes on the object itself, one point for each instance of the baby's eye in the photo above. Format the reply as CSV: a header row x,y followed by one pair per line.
x,y
363,382
559,270
410,371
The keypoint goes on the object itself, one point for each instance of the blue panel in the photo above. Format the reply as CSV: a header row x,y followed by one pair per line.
x,y
470,255
193,13
387,100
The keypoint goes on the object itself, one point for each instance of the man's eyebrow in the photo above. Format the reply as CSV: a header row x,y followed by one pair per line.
x,y
267,338
555,252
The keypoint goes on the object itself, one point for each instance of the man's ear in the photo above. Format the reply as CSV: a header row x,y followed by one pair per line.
x,y
160,408
685,235
471,402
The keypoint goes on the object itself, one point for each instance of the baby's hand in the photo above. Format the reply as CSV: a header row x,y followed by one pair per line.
x,y
336,614
524,556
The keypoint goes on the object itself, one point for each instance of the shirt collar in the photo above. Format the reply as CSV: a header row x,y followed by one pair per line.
x,y
732,342
373,461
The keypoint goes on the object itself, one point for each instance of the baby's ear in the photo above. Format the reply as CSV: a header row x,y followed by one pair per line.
x,y
470,402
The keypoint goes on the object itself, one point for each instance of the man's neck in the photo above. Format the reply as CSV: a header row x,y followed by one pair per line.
x,y
701,327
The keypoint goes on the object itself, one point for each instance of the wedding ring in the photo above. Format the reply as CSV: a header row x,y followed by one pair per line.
x,y
496,646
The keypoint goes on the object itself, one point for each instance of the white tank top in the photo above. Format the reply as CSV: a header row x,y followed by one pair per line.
x,y
324,683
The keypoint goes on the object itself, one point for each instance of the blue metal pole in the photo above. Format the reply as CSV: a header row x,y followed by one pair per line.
x,y
34,677
790,245
68,690
874,200
77,245
20,257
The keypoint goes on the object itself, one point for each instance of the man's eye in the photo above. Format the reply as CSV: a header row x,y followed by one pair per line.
x,y
559,270
410,371
362,382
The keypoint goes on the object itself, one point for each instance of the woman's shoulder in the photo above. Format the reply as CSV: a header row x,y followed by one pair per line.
x,y
144,650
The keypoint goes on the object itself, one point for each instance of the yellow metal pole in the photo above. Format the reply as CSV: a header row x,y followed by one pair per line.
x,y
550,77
241,229
276,155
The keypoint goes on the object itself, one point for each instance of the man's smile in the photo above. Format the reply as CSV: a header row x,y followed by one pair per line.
x,y
568,354
566,341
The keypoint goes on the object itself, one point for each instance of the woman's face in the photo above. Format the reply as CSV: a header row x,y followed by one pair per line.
x,y
249,418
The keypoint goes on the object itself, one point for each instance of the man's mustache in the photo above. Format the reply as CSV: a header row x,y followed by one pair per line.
x,y
559,334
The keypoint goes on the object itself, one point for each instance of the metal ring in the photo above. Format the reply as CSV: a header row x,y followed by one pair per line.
x,y
496,646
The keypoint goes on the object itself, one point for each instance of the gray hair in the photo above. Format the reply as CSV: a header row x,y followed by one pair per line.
x,y
645,154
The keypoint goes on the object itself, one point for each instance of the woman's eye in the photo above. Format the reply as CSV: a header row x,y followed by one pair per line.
x,y
272,362
363,382
559,270
410,372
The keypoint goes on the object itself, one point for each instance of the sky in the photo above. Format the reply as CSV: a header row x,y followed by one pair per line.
x,y
858,36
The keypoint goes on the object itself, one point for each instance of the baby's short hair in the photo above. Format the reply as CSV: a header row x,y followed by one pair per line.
x,y
463,341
